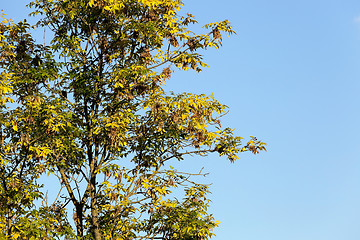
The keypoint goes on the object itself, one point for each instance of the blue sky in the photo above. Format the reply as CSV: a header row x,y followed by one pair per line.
x,y
290,77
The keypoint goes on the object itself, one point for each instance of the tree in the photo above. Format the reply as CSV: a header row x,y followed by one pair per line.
x,y
90,109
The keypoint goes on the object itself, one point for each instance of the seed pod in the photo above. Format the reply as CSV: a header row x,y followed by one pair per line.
x,y
216,33
167,72
173,41
2,28
191,44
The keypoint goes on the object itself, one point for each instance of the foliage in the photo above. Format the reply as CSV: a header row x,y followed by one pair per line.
x,y
90,109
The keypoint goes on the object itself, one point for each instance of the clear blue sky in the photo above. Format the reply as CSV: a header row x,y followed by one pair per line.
x,y
290,77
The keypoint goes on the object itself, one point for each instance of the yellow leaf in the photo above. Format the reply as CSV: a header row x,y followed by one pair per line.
x,y
16,235
15,127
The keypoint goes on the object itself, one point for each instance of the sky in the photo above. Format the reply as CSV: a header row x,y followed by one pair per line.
x,y
291,78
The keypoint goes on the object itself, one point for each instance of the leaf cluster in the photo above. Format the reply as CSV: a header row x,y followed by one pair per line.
x,y
89,108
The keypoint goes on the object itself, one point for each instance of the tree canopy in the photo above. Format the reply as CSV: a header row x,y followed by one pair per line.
x,y
90,109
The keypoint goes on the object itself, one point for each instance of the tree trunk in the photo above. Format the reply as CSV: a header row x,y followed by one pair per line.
x,y
79,220
94,210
